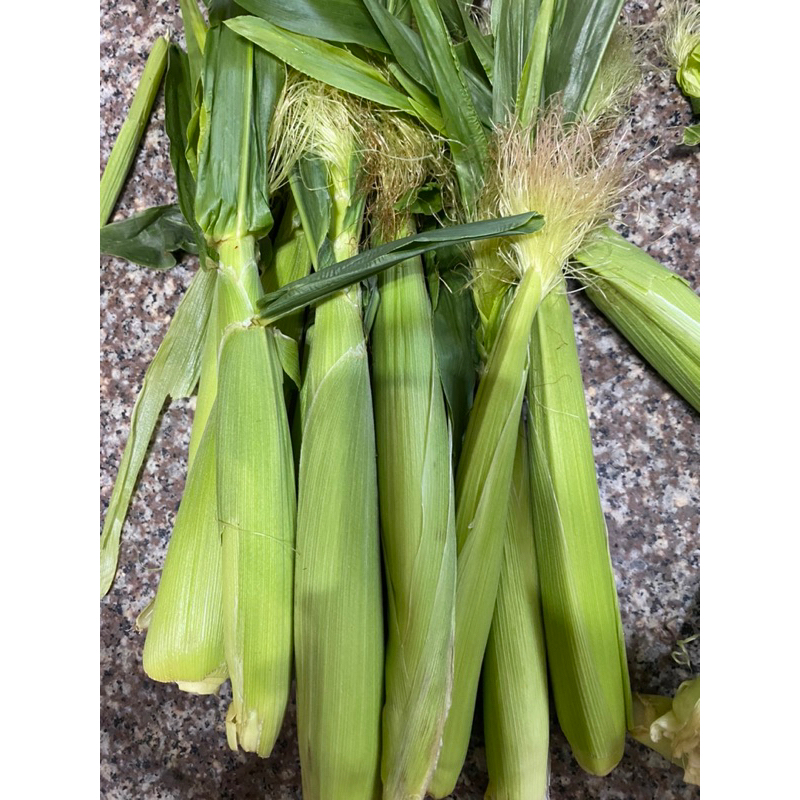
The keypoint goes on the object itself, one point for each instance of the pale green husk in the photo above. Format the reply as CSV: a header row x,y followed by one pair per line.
x,y
585,642
516,718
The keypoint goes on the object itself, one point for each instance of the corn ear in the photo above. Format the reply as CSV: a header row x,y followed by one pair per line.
x,y
583,630
256,506
515,703
338,616
655,309
483,484
184,637
418,526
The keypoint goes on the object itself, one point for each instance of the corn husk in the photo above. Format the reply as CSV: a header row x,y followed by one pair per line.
x,y
516,718
256,508
338,633
585,642
417,506
654,308
483,484
671,727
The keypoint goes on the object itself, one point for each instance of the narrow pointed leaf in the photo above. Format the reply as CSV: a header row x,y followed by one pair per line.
x,y
332,65
332,20
172,373
130,134
578,38
371,262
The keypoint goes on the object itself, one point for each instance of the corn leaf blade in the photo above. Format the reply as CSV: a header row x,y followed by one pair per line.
x,y
172,373
149,238
371,262
344,21
578,38
325,62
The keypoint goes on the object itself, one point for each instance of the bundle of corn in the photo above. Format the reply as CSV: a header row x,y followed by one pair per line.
x,y
507,566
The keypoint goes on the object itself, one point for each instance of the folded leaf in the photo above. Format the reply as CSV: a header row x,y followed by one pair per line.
x,y
149,238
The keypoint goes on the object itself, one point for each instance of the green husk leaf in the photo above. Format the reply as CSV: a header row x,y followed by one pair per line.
x,y
418,529
655,309
691,135
529,88
516,718
179,108
583,630
513,24
172,373
124,150
483,483
371,262
195,28
468,142
309,185
672,727
454,324
578,38
184,641
256,502
240,88
149,238
288,355
332,20
325,62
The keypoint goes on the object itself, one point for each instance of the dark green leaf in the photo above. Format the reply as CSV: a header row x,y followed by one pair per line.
x,y
514,24
425,200
338,276
240,88
332,65
578,38
195,28
178,103
220,10
404,42
454,322
468,143
149,238
331,20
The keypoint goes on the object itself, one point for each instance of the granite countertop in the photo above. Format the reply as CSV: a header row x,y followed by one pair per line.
x,y
157,742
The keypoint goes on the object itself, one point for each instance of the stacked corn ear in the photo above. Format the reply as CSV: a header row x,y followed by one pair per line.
x,y
583,630
339,636
483,484
516,718
418,529
656,310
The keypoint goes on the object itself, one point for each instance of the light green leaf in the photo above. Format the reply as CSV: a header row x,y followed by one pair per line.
x,y
332,65
691,135
172,373
288,355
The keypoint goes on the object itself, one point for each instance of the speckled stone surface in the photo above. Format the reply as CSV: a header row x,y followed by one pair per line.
x,y
157,742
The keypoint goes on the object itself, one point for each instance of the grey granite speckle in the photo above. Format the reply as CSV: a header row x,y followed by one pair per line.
x,y
157,742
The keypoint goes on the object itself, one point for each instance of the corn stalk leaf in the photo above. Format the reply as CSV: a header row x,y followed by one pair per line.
x,y
332,20
194,27
149,238
370,262
578,38
513,24
179,96
404,42
240,88
468,142
332,65
172,373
